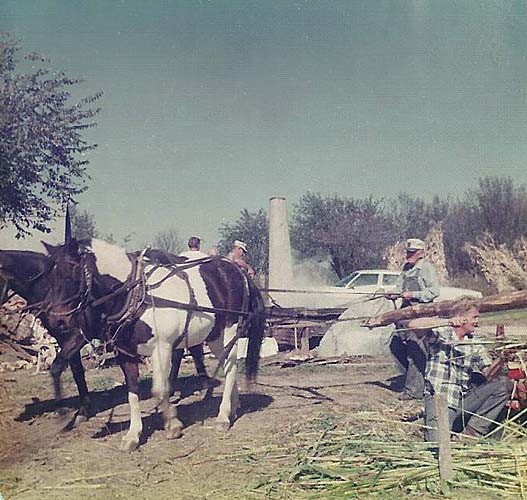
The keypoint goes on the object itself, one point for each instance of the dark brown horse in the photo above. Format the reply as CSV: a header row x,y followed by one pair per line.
x,y
25,273
147,309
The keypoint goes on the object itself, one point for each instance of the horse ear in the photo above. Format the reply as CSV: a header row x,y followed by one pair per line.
x,y
49,248
67,225
72,246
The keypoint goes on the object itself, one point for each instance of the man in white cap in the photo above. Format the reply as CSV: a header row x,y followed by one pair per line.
x,y
417,284
237,255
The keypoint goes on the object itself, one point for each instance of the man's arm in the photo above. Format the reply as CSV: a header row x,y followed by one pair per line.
x,y
421,325
398,286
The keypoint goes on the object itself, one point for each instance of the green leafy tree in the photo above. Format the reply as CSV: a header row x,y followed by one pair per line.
x,y
414,217
253,229
42,153
352,233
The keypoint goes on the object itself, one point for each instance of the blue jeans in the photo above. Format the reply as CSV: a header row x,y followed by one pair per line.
x,y
486,400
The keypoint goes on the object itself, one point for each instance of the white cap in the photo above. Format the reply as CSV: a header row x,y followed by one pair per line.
x,y
414,244
241,244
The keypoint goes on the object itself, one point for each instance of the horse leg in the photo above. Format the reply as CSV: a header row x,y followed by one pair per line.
x,y
84,399
130,369
57,367
230,402
177,356
161,362
199,360
69,348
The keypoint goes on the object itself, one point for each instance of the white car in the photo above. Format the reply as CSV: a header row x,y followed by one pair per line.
x,y
359,284
383,281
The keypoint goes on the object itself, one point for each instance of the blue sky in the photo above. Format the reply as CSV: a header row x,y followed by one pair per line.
x,y
214,106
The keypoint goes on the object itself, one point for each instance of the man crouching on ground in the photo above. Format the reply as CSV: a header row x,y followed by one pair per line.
x,y
463,371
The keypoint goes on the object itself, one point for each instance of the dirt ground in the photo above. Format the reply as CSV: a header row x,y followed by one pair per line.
x,y
41,459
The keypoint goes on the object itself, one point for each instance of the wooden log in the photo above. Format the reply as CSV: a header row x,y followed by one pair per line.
x,y
303,313
492,303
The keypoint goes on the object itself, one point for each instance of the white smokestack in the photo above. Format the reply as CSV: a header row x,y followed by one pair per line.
x,y
280,260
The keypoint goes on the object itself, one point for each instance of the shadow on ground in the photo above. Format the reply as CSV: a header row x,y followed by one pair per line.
x,y
206,407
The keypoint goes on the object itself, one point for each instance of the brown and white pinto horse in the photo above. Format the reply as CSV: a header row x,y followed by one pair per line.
x,y
180,306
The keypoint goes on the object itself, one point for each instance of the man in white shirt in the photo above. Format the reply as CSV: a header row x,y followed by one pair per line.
x,y
194,251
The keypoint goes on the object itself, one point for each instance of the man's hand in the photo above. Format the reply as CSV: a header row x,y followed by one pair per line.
x,y
406,295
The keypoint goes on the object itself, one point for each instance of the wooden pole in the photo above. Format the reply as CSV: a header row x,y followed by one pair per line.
x,y
502,302
304,341
446,472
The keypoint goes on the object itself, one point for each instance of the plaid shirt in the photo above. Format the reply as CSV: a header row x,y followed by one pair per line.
x,y
451,363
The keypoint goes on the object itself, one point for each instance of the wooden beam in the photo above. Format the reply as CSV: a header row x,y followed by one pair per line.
x,y
492,303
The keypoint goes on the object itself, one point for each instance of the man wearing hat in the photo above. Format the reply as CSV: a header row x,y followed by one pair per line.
x,y
417,284
237,255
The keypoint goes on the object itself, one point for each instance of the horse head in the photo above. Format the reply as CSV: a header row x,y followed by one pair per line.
x,y
70,281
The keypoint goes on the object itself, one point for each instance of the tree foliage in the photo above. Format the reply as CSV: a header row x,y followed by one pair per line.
x,y
169,241
414,217
42,153
497,207
253,229
352,233
82,224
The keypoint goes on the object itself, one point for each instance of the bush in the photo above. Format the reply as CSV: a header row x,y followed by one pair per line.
x,y
473,282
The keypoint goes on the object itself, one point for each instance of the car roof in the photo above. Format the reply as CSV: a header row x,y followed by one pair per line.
x,y
376,271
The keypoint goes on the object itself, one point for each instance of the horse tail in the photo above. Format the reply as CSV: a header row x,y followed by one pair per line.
x,y
255,331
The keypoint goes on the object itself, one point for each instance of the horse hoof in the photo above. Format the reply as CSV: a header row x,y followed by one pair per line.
x,y
174,433
80,419
129,445
223,426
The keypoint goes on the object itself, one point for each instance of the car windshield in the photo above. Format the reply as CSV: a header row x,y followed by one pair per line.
x,y
365,280
344,281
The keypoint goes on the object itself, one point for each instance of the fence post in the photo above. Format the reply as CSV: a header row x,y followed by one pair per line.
x,y
446,472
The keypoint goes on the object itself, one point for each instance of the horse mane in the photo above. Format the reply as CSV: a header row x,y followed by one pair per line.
x,y
163,257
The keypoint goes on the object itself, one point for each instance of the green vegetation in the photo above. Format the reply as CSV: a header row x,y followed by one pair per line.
x,y
43,162
326,458
516,315
103,383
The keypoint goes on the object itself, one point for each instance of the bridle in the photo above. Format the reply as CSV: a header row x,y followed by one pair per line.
x,y
27,281
82,295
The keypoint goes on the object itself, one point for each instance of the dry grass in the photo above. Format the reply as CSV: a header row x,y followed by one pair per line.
x,y
322,460
504,268
435,253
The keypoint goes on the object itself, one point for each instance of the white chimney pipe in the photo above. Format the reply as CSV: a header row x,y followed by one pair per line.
x,y
280,260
